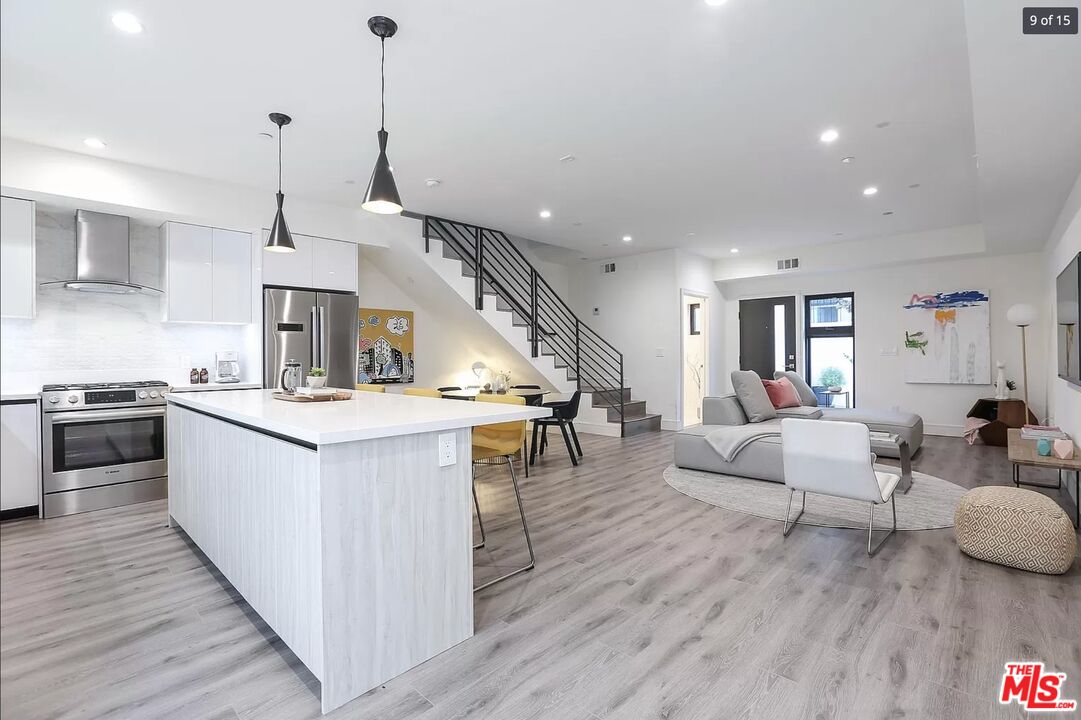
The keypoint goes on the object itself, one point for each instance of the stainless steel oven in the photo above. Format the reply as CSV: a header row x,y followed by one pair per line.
x,y
102,445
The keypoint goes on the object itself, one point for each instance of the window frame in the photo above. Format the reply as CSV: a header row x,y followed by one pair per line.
x,y
842,331
694,318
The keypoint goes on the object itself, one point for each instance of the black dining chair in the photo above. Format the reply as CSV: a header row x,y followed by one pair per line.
x,y
536,401
449,388
564,414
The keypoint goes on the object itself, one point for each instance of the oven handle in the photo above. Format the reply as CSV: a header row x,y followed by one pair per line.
x,y
133,413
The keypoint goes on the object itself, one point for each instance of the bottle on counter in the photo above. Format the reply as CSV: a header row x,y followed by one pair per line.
x,y
194,376
204,376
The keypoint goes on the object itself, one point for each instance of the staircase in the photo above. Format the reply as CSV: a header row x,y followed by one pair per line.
x,y
489,271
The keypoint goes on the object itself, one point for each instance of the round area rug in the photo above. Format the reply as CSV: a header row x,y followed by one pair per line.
x,y
929,504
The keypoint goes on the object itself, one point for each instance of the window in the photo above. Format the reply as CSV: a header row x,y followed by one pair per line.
x,y
831,348
695,319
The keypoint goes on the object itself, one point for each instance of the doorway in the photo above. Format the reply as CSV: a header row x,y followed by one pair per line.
x,y
767,335
694,355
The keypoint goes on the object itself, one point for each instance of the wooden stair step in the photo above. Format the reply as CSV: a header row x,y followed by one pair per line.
x,y
650,422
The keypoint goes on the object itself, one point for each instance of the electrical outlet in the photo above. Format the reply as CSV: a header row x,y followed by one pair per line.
x,y
448,450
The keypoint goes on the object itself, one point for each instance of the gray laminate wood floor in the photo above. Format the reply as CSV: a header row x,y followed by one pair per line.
x,y
644,604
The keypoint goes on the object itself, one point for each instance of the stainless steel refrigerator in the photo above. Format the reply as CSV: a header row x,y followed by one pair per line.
x,y
317,329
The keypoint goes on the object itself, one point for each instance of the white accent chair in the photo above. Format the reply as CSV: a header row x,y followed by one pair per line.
x,y
834,458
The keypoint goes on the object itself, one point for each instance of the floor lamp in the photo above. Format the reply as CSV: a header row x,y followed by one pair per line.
x,y
1023,315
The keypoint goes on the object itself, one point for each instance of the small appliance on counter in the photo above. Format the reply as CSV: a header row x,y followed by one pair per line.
x,y
226,367
290,378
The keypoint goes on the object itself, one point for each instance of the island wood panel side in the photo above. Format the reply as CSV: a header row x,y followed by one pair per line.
x,y
251,504
397,558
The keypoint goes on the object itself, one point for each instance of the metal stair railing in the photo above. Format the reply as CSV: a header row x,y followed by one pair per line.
x,y
499,268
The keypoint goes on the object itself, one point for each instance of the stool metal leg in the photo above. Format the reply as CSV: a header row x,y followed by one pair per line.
x,y
525,528
476,505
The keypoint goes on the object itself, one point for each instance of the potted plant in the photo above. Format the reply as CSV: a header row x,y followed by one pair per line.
x,y
317,377
833,378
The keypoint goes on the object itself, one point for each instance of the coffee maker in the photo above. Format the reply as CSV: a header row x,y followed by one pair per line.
x,y
227,367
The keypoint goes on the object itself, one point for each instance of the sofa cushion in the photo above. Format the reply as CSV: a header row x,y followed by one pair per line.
x,y
752,396
806,394
781,393
723,410
803,412
873,418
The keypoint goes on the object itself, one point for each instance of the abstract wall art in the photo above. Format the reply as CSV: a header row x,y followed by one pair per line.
x,y
384,346
948,338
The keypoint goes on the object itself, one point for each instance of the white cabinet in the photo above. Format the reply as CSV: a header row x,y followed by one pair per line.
x,y
18,284
20,456
207,274
291,269
334,265
231,277
319,263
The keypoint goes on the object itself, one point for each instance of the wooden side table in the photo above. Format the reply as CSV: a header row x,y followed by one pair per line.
x,y
1023,452
1001,415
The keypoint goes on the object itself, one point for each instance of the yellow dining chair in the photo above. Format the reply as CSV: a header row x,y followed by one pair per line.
x,y
422,392
368,387
501,441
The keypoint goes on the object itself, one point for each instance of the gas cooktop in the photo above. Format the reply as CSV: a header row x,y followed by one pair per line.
x,y
106,386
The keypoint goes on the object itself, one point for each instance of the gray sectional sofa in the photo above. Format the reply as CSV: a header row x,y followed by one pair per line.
x,y
761,459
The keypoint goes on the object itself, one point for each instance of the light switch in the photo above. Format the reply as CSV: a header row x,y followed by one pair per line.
x,y
448,450
660,352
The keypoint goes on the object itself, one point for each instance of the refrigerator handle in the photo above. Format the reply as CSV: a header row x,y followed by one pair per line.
x,y
322,338
315,334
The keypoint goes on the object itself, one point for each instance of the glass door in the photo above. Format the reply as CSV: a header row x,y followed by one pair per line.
x,y
831,348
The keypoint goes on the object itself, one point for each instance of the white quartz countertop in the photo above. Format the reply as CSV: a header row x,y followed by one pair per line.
x,y
364,417
211,387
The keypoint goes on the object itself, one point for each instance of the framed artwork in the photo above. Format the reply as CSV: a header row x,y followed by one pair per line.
x,y
384,346
948,338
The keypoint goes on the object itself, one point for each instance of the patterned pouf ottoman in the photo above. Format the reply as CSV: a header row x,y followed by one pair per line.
x,y
1015,527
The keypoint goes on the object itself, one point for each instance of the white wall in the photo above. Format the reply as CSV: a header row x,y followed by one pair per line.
x,y
639,313
1063,399
87,337
879,296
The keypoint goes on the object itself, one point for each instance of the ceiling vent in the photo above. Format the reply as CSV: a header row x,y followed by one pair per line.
x,y
609,268
788,264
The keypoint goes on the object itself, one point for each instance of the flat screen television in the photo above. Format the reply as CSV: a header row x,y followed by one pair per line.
x,y
1068,293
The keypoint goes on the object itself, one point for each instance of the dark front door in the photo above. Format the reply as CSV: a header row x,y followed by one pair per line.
x,y
767,335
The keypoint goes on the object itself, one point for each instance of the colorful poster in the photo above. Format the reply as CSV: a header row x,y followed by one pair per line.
x,y
948,338
384,346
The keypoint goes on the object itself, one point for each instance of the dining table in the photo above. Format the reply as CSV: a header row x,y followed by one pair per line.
x,y
533,396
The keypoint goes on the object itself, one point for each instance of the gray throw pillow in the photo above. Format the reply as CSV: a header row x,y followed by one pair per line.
x,y
806,394
752,396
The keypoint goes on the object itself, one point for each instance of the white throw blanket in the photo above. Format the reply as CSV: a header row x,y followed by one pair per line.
x,y
728,440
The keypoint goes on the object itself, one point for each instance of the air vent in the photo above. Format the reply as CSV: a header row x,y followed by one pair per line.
x,y
788,264
609,268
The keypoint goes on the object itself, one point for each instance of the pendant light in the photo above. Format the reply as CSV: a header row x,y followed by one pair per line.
x,y
382,195
280,240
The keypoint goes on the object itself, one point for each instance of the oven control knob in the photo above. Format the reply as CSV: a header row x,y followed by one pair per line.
x,y
142,394
54,399
73,399
153,393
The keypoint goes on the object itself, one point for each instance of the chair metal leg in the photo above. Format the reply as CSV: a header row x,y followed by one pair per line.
x,y
574,434
476,505
525,528
567,440
870,525
525,456
803,506
533,445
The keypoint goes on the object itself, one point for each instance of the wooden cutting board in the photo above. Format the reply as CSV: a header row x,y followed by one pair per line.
x,y
311,398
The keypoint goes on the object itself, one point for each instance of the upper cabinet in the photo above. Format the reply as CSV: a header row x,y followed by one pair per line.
x,y
207,274
318,263
18,281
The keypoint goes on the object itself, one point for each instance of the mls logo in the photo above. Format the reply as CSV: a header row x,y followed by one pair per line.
x,y
1033,689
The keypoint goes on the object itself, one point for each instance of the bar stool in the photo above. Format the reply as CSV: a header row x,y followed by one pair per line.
x,y
501,441
368,387
422,392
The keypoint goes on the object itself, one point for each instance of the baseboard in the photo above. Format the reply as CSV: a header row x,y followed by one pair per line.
x,y
606,429
944,430
19,512
670,425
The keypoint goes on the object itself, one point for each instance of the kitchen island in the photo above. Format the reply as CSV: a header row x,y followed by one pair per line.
x,y
342,524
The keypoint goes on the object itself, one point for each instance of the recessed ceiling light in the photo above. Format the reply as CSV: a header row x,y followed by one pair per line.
x,y
883,124
913,186
433,182
715,3
690,235
545,214
847,159
627,238
567,159
870,190
734,250
126,22
94,143
350,182
829,136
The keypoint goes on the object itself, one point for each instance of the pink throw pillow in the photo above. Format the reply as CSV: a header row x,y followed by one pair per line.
x,y
782,393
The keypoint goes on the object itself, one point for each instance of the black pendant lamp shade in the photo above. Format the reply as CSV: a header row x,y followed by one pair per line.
x,y
280,240
382,195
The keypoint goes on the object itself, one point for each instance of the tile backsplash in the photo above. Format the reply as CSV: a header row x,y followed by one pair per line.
x,y
83,337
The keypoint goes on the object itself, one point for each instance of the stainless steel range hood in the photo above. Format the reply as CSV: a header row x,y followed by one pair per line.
x,y
102,256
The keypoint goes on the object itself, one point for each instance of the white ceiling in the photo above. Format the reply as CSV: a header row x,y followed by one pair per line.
x,y
703,120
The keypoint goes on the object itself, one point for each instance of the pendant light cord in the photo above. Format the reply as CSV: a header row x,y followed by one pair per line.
x,y
279,158
382,84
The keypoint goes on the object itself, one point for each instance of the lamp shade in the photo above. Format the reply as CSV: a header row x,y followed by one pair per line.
x,y
382,196
280,240
1021,315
